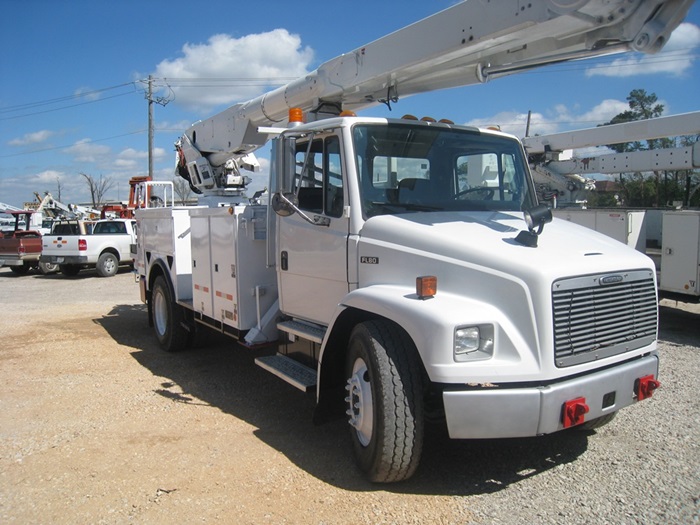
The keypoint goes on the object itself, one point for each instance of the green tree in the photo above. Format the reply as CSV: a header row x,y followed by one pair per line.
x,y
663,187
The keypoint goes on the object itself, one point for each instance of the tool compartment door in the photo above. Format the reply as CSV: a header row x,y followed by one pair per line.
x,y
201,265
224,268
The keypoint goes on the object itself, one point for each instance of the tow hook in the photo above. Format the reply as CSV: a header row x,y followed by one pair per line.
x,y
645,387
574,412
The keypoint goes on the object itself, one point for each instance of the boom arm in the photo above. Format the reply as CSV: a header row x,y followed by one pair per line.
x,y
568,175
468,43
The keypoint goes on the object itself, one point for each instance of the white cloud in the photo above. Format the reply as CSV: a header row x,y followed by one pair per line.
x,y
32,138
557,119
564,117
131,158
47,177
87,93
87,151
674,59
213,73
510,122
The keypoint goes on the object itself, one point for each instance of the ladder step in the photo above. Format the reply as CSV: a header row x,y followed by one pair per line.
x,y
303,330
293,372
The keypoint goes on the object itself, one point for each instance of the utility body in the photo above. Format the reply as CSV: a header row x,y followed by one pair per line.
x,y
106,248
390,269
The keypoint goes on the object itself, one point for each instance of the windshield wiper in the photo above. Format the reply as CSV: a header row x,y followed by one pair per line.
x,y
401,206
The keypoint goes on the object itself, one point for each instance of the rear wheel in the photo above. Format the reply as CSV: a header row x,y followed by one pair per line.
x,y
168,318
20,270
385,401
69,269
107,265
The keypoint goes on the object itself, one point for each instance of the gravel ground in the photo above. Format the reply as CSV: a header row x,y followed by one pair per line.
x,y
100,426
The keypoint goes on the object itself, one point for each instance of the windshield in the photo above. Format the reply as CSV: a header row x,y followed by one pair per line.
x,y
408,168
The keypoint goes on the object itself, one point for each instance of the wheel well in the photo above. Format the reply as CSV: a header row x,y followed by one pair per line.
x,y
331,393
155,271
111,250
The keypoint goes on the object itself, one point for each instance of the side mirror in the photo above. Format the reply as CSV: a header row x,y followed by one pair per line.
x,y
282,164
283,168
535,218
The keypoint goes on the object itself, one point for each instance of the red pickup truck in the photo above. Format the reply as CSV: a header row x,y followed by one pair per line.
x,y
20,249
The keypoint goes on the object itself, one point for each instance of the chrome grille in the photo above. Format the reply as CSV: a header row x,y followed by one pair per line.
x,y
602,315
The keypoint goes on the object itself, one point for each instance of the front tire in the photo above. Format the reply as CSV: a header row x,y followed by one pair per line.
x,y
46,268
168,318
385,401
107,265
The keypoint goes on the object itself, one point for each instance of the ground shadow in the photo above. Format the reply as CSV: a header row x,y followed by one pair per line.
x,y
679,325
83,274
223,374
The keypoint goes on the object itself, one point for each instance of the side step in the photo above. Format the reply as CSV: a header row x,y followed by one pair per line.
x,y
293,372
303,330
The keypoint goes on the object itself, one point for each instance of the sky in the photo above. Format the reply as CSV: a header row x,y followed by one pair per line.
x,y
73,80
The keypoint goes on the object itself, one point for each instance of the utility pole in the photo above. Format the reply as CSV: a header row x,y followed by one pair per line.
x,y
158,100
150,126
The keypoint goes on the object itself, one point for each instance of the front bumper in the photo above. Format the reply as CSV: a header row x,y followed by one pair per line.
x,y
499,412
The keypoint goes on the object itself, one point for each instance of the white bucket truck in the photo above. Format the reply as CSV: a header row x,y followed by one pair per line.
x,y
391,267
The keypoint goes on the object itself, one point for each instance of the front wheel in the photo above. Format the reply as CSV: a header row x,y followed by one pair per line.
x,y
46,268
385,401
167,318
107,265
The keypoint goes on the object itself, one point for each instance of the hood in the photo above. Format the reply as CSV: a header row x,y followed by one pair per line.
x,y
488,239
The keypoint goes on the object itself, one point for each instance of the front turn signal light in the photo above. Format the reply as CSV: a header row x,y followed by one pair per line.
x,y
426,286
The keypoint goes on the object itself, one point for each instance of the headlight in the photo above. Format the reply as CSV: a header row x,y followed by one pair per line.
x,y
467,340
473,343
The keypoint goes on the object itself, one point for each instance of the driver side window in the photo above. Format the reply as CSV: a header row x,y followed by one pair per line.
x,y
319,176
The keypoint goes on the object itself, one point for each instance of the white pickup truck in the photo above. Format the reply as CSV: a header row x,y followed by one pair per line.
x,y
108,247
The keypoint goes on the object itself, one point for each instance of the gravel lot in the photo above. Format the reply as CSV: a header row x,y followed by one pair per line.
x,y
100,426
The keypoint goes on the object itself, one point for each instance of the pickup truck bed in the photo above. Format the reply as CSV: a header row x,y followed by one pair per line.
x,y
21,249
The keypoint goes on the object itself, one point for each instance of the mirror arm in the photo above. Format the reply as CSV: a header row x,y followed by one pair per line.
x,y
317,219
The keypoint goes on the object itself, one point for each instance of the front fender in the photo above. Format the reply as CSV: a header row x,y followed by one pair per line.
x,y
431,324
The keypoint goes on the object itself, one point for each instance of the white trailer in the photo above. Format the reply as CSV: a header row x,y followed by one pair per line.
x,y
390,270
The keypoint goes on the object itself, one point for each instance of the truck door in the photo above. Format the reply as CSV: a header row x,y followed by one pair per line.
x,y
312,258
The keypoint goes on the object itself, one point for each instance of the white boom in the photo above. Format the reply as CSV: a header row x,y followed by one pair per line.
x,y
566,177
468,43
7,207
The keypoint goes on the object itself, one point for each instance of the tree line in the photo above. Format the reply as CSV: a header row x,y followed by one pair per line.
x,y
657,188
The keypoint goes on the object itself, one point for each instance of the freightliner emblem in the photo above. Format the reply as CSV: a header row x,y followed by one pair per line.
x,y
611,279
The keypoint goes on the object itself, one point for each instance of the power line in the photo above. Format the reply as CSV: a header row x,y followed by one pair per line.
x,y
64,107
91,141
30,105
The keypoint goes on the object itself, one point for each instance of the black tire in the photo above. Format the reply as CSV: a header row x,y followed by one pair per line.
x,y
597,422
107,265
20,270
168,318
385,401
69,270
46,268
